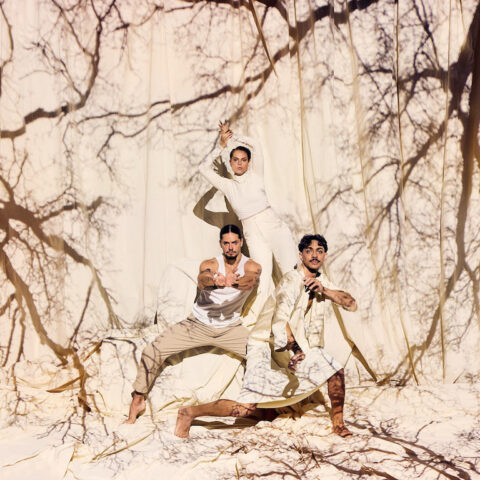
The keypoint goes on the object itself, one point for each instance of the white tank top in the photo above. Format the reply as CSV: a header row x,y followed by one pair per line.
x,y
221,307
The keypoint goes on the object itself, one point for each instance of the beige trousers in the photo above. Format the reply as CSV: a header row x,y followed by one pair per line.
x,y
189,333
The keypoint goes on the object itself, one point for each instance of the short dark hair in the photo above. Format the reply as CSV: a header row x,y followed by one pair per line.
x,y
230,229
243,149
308,239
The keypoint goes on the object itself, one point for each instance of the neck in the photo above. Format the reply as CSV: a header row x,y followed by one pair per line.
x,y
232,261
309,273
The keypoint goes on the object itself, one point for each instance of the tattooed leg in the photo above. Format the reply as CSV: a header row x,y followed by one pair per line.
x,y
336,392
220,408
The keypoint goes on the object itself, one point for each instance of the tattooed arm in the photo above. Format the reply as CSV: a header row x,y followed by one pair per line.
x,y
208,277
251,278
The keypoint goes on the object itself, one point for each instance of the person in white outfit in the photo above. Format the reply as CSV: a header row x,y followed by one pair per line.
x,y
265,233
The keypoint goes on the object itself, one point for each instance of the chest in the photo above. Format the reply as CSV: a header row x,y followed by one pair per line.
x,y
247,187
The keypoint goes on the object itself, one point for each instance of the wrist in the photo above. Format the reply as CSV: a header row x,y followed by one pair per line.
x,y
295,347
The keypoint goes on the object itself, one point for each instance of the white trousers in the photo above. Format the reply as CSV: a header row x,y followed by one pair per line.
x,y
266,235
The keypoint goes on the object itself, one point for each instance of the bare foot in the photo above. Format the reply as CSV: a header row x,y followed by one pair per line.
x,y
137,407
342,431
184,420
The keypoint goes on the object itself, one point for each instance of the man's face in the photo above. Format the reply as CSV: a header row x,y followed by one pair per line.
x,y
231,245
313,256
239,162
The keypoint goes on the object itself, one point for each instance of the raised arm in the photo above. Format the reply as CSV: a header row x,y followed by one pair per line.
x,y
207,171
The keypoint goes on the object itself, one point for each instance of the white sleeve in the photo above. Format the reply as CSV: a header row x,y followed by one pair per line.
x,y
206,169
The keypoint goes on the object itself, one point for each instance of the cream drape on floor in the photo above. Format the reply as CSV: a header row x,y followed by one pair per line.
x,y
367,111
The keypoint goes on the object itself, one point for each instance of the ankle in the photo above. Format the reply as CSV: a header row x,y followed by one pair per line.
x,y
185,411
138,397
337,419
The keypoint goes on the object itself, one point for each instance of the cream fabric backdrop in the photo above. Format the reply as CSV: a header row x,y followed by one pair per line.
x,y
368,113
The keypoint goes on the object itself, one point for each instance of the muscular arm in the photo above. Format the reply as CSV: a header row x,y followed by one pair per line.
x,y
205,279
251,278
339,297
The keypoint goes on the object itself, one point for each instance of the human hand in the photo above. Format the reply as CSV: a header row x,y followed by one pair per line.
x,y
225,132
224,126
231,279
313,284
219,280
295,360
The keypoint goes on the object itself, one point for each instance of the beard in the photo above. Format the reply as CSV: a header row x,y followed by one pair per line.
x,y
231,256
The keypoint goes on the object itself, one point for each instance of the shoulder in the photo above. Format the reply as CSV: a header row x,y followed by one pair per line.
x,y
291,280
252,266
209,264
291,277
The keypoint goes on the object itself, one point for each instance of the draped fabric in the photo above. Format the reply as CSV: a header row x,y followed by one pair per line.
x,y
368,115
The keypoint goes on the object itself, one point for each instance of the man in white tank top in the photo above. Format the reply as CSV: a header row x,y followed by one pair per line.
x,y
224,283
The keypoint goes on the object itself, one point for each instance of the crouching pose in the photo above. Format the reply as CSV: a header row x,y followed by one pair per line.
x,y
224,284
290,334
